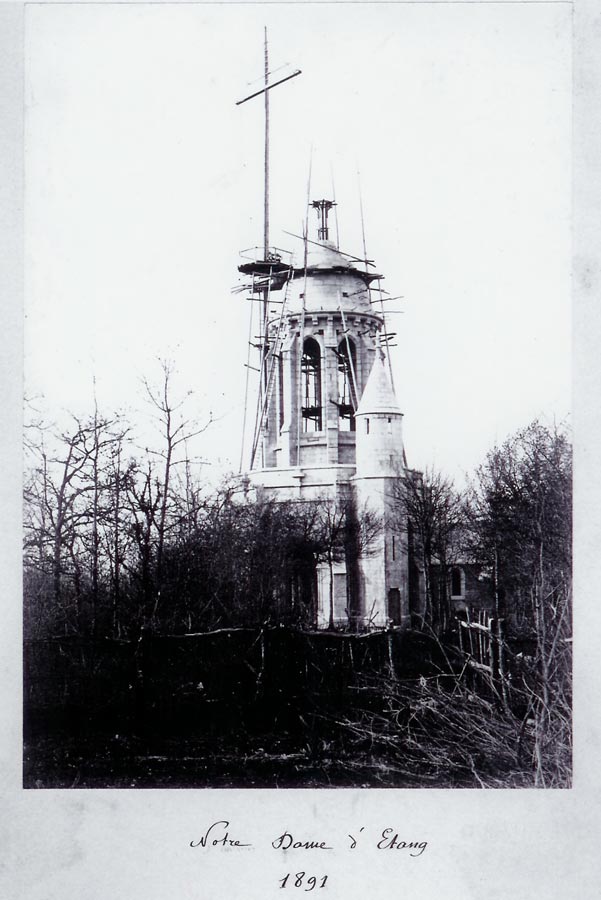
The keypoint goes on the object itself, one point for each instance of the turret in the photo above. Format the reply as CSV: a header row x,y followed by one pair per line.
x,y
379,425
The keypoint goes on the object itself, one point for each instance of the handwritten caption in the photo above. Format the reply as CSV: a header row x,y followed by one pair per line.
x,y
220,834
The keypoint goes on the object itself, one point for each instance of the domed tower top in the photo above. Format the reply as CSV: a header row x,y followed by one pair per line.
x,y
328,278
325,256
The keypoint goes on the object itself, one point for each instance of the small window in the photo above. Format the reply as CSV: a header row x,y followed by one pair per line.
x,y
457,582
367,426
394,606
393,547
389,425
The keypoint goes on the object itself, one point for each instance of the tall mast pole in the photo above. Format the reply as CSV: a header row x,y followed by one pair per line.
x,y
266,198
266,268
265,348
265,90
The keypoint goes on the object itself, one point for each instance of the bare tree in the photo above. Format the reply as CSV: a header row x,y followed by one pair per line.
x,y
176,432
331,533
64,490
521,524
344,533
434,511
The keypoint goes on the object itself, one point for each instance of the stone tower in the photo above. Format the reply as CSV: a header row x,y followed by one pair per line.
x,y
330,428
379,486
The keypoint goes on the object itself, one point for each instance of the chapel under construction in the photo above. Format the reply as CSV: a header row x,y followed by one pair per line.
x,y
329,427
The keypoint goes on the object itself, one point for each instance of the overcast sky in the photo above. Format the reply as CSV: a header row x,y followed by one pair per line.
x,y
144,181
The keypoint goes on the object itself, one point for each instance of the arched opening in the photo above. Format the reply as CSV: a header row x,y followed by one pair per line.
x,y
311,385
347,400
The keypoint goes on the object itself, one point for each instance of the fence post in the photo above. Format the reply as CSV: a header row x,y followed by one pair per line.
x,y
501,645
494,649
260,680
141,664
470,634
391,656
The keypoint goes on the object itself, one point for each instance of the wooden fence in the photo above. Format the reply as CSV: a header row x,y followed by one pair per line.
x,y
200,677
481,640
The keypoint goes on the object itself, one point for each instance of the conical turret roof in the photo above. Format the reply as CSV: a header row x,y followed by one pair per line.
x,y
378,396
